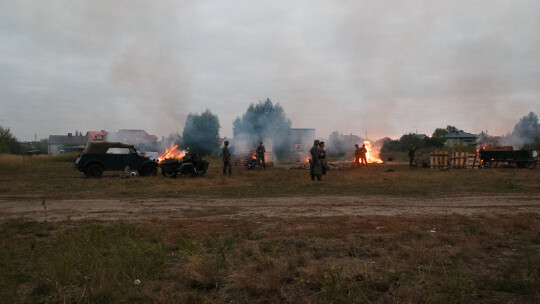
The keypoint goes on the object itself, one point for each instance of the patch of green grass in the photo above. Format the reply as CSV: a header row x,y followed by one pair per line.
x,y
518,277
331,283
458,286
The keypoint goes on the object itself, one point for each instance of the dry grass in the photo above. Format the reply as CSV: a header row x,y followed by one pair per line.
x,y
466,260
56,178
342,259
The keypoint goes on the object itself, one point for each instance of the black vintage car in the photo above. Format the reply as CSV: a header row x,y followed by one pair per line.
x,y
191,164
516,158
113,156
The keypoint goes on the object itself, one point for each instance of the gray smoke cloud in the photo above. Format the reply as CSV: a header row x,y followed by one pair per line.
x,y
526,131
266,122
342,144
124,65
382,67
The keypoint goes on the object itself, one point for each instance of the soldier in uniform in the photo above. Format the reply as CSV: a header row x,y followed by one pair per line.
x,y
412,152
315,164
357,155
363,152
260,153
322,156
226,158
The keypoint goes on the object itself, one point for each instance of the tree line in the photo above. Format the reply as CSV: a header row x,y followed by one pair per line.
x,y
268,120
10,145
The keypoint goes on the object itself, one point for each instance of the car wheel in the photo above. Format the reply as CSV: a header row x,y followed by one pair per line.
x,y
149,170
188,170
94,171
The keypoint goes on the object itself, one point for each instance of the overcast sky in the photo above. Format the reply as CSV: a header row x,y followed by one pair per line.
x,y
382,67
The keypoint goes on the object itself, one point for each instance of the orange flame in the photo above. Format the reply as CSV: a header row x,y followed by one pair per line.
x,y
371,158
173,152
308,159
369,155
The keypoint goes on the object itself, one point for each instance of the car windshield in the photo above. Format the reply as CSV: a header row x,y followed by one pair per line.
x,y
119,151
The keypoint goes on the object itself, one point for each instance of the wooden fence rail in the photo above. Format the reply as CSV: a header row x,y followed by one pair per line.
x,y
446,160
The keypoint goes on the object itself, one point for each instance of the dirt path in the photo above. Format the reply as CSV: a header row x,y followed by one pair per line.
x,y
32,209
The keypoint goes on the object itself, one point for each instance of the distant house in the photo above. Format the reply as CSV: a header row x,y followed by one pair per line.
x,y
96,135
460,138
59,144
133,137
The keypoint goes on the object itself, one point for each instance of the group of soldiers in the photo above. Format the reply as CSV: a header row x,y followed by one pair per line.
x,y
317,163
226,155
360,156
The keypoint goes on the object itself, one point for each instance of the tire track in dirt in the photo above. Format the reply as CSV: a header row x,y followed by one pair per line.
x,y
32,209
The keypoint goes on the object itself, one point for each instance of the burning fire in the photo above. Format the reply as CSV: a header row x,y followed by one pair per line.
x,y
173,152
371,158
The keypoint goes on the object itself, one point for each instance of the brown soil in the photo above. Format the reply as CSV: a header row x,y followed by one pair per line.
x,y
33,209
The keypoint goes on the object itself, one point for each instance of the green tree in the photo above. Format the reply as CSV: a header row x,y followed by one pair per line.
x,y
451,129
527,129
440,133
201,133
406,141
265,120
8,142
41,146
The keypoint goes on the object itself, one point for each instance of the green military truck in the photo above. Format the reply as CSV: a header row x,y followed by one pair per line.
x,y
113,156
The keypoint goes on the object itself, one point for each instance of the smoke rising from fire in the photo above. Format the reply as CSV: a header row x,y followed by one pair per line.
x,y
265,122
384,67
526,131
134,56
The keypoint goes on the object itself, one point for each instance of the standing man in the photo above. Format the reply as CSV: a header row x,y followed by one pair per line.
x,y
363,152
315,168
412,152
226,158
357,155
260,153
322,156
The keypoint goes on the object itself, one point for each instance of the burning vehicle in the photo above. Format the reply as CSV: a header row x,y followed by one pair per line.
x,y
176,162
245,153
507,157
113,156
253,163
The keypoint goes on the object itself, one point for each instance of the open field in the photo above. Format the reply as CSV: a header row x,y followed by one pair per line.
x,y
46,177
385,234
